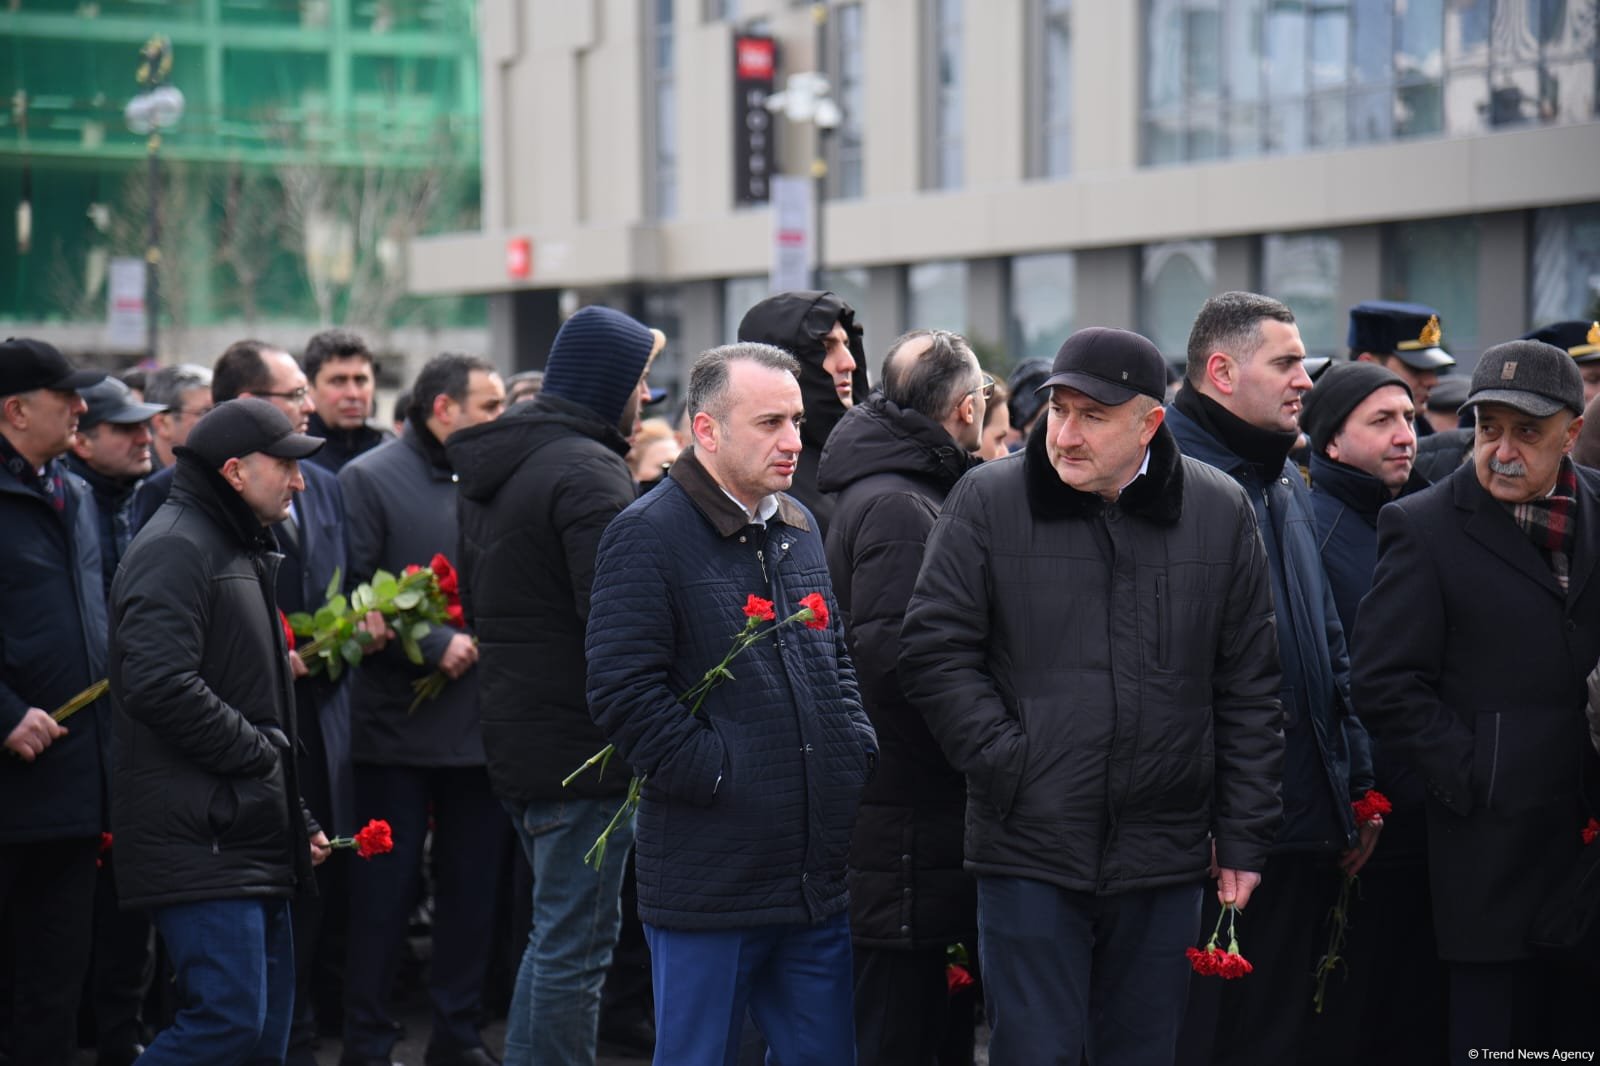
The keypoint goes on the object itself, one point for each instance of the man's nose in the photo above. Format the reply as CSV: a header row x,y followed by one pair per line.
x,y
1406,434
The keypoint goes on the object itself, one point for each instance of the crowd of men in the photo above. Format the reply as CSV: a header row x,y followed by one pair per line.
x,y
1038,662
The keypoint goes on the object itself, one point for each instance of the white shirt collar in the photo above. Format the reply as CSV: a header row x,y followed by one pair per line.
x,y
1144,468
765,508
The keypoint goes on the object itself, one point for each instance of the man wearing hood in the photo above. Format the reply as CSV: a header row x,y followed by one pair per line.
x,y
890,462
428,765
538,487
820,330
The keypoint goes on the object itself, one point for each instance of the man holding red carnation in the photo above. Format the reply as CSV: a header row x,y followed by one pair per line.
x,y
748,805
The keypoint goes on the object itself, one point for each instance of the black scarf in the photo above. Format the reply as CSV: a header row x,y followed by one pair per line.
x,y
48,485
1264,449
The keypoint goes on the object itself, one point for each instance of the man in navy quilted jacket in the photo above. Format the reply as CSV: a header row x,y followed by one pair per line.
x,y
748,805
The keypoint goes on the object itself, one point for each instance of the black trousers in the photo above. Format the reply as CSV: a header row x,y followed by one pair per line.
x,y
47,911
469,830
1532,1004
122,966
1262,1019
902,1006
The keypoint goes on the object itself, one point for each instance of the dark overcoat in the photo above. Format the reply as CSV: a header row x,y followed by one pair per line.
x,y
1470,660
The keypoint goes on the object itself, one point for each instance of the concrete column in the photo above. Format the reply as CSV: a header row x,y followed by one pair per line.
x,y
1107,288
1502,281
987,302
886,302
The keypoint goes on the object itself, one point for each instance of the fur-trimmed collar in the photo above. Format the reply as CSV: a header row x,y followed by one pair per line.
x,y
1157,495
725,516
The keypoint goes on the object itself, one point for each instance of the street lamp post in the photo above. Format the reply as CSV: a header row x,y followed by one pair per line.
x,y
805,99
158,108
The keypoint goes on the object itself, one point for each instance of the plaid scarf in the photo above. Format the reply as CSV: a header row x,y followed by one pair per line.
x,y
50,485
1551,522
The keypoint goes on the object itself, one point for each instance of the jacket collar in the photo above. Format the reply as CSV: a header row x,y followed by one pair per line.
x,y
219,502
725,516
1357,489
1487,521
1156,495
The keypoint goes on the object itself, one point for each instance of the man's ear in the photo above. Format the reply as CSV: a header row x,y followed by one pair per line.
x,y
704,429
1222,370
231,473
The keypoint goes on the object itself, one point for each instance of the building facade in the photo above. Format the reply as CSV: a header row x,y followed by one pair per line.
x,y
1016,169
317,136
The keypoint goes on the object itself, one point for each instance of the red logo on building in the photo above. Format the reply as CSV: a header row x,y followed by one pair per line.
x,y
519,257
755,57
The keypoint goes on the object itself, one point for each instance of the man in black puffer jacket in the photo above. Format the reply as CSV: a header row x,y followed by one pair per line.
x,y
820,330
747,807
538,487
211,834
890,463
1092,643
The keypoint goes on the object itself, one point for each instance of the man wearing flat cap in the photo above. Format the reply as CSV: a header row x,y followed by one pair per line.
x,y
111,451
1404,337
211,834
1471,653
1091,642
52,646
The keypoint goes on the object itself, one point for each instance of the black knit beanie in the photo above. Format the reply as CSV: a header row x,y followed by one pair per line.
x,y
1338,392
597,360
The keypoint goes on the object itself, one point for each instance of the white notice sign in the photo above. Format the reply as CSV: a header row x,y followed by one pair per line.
x,y
125,303
791,233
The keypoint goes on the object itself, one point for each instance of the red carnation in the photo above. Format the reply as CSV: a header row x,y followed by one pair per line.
x,y
105,846
374,839
818,608
449,584
288,631
1205,963
759,609
1371,807
956,978
1591,831
412,569
1232,964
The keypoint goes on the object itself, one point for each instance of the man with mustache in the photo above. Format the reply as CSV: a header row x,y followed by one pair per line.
x,y
1470,658
1239,411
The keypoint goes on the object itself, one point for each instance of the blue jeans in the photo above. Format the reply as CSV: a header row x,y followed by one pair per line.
x,y
795,981
555,1007
1070,976
234,963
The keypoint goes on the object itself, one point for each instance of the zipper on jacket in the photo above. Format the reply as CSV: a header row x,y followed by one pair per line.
x,y
761,558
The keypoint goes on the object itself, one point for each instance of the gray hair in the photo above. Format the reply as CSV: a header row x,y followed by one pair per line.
x,y
167,385
708,379
1231,323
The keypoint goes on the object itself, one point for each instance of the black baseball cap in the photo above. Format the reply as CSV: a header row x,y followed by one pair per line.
x,y
236,428
1111,366
27,364
112,401
1536,378
1023,386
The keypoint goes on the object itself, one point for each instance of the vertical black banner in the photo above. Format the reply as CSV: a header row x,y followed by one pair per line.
x,y
755,61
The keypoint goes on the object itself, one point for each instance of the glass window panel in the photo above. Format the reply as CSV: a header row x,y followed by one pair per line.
x,y
1371,116
1043,298
1057,90
1436,262
1163,66
1514,32
1242,62
1330,44
1286,48
1567,93
1372,42
738,296
1202,41
845,178
1566,264
948,118
1466,102
1466,31
1419,38
937,295
1163,139
1514,99
1328,118
851,283
1244,131
1571,28
1175,279
1286,126
1205,134
1418,110
1302,270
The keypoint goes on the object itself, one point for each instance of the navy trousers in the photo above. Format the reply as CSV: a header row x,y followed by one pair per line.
x,y
1069,975
793,979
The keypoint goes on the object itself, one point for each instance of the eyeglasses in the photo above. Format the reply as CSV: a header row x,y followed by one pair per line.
x,y
985,386
297,395
189,412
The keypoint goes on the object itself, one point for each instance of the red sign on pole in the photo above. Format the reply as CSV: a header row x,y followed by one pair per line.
x,y
519,257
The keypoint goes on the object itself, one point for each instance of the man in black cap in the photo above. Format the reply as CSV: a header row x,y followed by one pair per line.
x,y
52,646
1471,653
111,452
1116,715
820,330
1581,340
1239,411
1404,337
1359,417
1027,401
211,835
